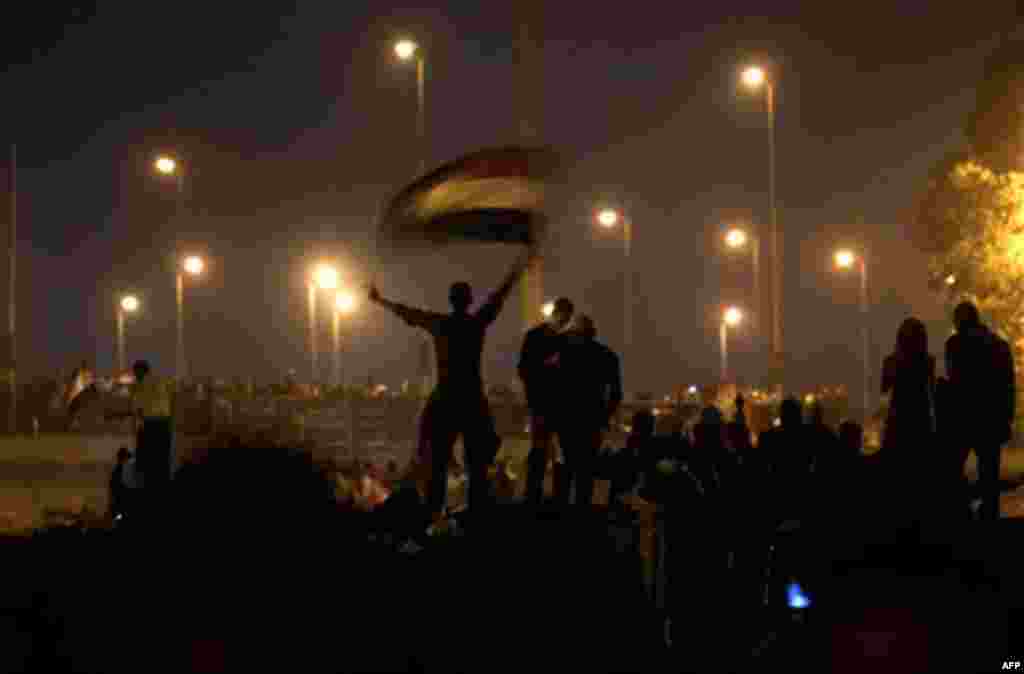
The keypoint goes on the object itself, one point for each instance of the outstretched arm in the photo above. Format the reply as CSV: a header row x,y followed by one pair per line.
x,y
417,318
490,310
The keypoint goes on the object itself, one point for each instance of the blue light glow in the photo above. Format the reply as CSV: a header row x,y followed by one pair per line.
x,y
795,596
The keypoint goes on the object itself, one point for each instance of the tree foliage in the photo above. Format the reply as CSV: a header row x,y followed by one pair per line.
x,y
971,221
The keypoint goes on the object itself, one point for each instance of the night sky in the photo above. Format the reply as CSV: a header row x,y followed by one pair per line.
x,y
297,121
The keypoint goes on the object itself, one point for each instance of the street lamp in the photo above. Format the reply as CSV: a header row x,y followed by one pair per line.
x,y
191,265
846,260
407,50
165,165
548,309
757,78
344,304
609,218
731,318
951,280
129,304
324,277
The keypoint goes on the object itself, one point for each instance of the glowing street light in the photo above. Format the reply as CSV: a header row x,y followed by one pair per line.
x,y
951,280
405,49
736,238
326,277
193,265
844,259
608,218
754,76
129,304
166,165
732,317
548,309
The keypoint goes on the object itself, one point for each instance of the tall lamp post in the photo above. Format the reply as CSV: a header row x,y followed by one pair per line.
x,y
757,78
407,50
192,265
845,260
344,304
129,304
609,218
731,318
325,277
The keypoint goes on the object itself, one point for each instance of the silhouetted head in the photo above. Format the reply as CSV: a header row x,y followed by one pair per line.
x,y
790,413
123,455
912,338
851,437
643,424
140,369
740,402
584,327
708,431
461,297
818,414
966,316
562,313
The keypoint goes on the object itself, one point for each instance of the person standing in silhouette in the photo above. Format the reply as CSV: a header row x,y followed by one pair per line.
x,y
458,403
538,371
785,449
591,392
980,368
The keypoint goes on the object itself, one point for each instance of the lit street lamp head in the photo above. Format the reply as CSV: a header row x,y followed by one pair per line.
x,y
326,277
736,238
732,316
405,49
345,302
130,303
845,259
548,309
951,280
193,264
754,77
166,165
608,218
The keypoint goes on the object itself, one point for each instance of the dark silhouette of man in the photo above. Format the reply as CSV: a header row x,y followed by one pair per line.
x,y
538,371
979,365
458,403
591,385
626,466
152,400
785,448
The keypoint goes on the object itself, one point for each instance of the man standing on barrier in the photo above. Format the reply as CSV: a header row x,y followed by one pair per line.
x,y
590,379
538,371
458,403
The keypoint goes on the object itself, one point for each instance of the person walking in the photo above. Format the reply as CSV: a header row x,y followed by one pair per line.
x,y
982,383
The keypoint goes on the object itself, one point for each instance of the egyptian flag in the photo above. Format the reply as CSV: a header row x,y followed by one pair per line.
x,y
490,196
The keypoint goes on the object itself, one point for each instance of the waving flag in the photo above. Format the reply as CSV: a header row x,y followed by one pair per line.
x,y
494,195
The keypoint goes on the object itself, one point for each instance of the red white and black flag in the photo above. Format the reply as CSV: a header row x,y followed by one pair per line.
x,y
491,196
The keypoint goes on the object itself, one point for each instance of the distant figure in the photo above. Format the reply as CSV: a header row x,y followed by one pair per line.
x,y
458,403
590,379
983,389
152,402
738,432
785,448
908,375
822,440
625,466
539,374
119,491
